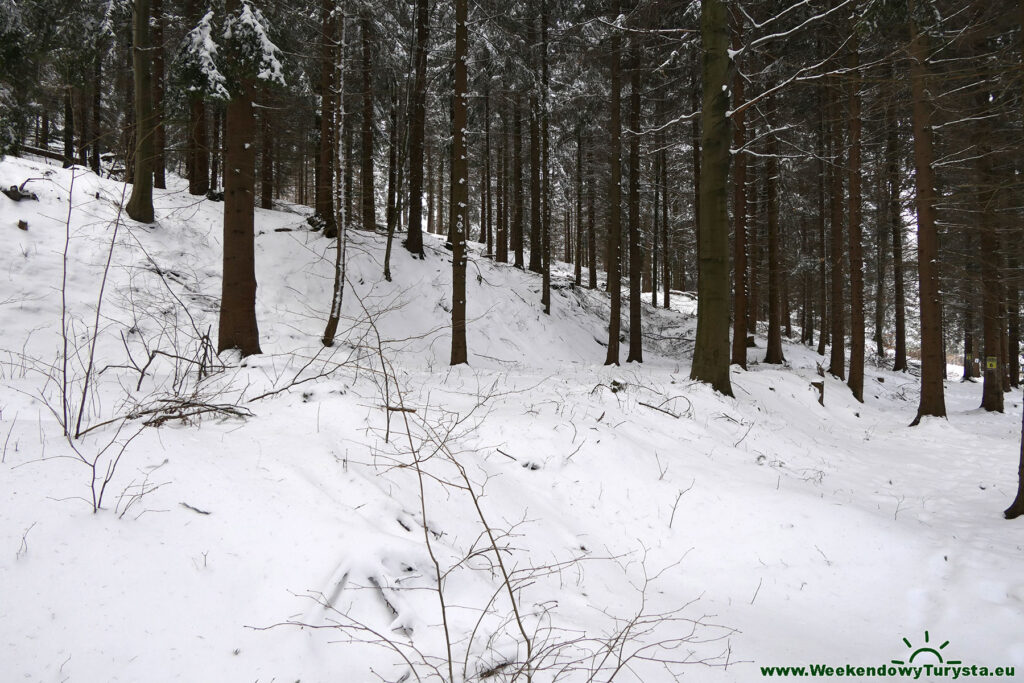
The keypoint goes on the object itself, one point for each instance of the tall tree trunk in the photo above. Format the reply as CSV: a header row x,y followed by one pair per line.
x,y
545,297
591,221
140,204
460,188
517,185
636,353
711,350
97,109
199,168
991,266
266,153
695,88
933,361
739,209
578,266
391,212
486,198
819,148
837,359
69,128
501,251
535,264
369,213
417,118
1016,508
614,200
1013,320
323,199
655,222
895,221
238,328
773,354
159,132
82,119
856,377
666,256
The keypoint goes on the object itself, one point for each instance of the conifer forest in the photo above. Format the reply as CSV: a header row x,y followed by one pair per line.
x,y
511,340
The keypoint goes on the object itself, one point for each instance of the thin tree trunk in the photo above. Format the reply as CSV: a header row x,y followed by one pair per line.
x,y
614,200
591,221
417,118
636,353
856,377
933,361
460,189
517,186
329,99
578,266
97,110
773,354
266,153
666,256
159,132
837,358
545,297
369,213
739,208
69,128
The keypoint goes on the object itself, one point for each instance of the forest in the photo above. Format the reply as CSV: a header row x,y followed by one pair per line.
x,y
784,230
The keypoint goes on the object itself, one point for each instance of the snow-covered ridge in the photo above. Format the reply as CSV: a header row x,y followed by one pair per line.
x,y
761,530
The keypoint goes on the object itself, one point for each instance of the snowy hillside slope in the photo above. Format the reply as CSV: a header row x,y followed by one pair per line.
x,y
286,517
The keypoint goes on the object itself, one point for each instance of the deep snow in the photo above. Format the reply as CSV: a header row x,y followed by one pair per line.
x,y
783,531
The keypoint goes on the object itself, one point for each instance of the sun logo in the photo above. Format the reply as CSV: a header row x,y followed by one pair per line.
x,y
925,649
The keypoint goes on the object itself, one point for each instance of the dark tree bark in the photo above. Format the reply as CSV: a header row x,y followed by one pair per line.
x,y
856,377
613,264
819,148
69,128
324,190
666,256
535,264
140,204
1013,321
486,199
739,208
199,167
517,185
837,358
1016,508
417,118
773,354
460,189
933,361
368,204
391,212
895,222
545,297
97,110
266,153
578,265
501,250
159,132
991,266
636,353
711,350
238,328
591,222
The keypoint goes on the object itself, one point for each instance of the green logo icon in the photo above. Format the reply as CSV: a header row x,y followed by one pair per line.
x,y
926,649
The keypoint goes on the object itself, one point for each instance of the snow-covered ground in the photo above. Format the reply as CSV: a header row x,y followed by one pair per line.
x,y
299,535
